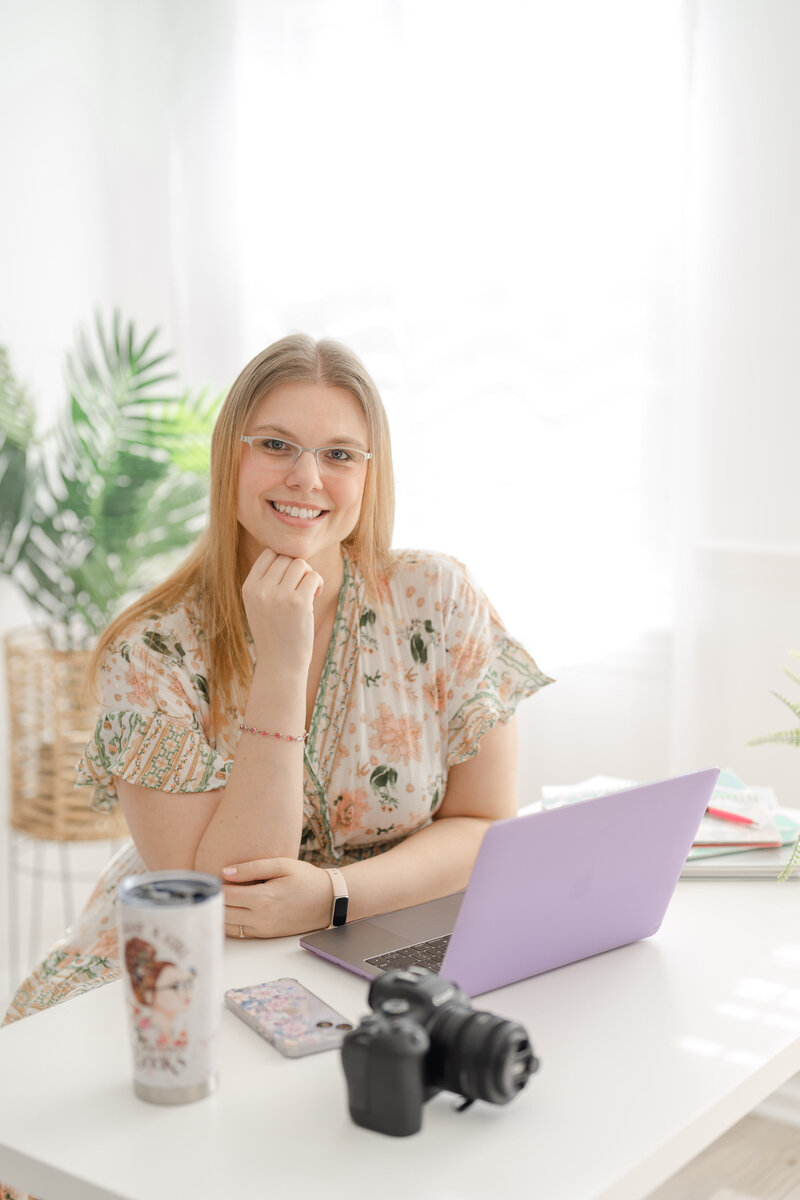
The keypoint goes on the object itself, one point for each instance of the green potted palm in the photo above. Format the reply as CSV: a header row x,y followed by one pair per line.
x,y
786,737
92,510
93,507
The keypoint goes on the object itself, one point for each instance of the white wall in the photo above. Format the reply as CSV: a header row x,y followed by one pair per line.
x,y
696,695
54,213
737,531
110,196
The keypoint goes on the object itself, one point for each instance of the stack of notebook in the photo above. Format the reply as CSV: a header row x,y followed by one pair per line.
x,y
744,833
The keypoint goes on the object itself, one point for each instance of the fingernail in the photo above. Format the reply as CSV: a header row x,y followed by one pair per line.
x,y
230,870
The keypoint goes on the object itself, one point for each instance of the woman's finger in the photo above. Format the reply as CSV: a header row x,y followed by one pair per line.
x,y
311,584
296,575
258,870
282,571
263,563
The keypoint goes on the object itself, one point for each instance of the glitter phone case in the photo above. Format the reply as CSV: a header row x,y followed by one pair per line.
x,y
289,1016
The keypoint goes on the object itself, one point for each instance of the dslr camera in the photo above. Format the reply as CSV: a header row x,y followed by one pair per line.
x,y
423,1037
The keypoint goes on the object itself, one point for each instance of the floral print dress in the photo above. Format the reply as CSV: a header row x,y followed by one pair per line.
x,y
410,684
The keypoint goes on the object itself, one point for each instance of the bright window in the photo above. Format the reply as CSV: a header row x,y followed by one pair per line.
x,y
483,200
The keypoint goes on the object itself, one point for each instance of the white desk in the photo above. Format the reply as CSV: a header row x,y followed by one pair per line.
x,y
648,1054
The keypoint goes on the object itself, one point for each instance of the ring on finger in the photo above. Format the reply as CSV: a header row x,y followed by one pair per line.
x,y
241,932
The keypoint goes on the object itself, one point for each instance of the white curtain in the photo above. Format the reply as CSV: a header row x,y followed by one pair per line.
x,y
483,199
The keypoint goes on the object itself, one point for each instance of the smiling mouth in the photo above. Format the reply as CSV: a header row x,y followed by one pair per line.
x,y
296,510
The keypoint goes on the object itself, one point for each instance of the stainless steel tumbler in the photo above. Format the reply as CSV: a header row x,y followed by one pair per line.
x,y
171,935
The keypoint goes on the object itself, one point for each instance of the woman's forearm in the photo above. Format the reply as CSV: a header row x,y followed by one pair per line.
x,y
260,814
436,861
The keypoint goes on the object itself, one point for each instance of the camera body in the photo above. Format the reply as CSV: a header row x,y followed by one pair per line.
x,y
422,1037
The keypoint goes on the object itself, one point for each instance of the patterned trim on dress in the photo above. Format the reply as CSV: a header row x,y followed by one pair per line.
x,y
154,752
328,718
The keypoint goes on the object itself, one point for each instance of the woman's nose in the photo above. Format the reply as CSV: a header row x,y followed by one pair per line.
x,y
304,471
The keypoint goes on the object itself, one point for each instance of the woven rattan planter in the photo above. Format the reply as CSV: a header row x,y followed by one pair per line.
x,y
49,728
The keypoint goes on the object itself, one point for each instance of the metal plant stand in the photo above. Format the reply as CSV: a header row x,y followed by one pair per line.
x,y
49,725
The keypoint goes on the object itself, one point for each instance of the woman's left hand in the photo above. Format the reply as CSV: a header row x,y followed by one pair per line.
x,y
276,897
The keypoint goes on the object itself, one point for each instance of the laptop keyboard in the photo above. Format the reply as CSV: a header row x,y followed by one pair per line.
x,y
423,954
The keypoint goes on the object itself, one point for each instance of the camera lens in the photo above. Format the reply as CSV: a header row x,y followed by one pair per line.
x,y
478,1055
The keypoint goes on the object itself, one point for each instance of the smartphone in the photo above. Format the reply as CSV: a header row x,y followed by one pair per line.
x,y
289,1016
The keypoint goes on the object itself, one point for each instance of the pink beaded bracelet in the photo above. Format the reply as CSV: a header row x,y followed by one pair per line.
x,y
284,737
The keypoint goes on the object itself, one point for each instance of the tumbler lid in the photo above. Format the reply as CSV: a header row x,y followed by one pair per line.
x,y
168,889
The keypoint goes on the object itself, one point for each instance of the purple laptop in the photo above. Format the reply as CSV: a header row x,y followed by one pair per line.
x,y
547,889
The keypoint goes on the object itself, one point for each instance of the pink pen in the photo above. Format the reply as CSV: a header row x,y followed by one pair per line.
x,y
730,816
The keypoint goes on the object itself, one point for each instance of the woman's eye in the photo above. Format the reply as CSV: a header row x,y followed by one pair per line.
x,y
274,446
338,454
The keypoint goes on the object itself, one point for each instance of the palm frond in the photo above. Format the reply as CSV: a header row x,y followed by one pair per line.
x,y
17,428
120,481
787,737
13,486
790,704
17,413
792,864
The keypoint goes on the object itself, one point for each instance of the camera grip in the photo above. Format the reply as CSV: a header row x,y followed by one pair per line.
x,y
383,1061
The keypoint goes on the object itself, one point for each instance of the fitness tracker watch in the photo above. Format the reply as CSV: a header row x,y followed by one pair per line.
x,y
341,899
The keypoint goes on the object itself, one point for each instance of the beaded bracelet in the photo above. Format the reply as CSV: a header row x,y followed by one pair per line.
x,y
284,737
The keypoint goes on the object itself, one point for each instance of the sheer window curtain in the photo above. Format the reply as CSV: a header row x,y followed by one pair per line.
x,y
484,201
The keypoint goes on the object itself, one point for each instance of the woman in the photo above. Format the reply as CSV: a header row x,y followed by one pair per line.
x,y
298,697
161,993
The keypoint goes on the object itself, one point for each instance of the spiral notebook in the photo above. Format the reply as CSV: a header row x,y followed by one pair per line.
x,y
548,888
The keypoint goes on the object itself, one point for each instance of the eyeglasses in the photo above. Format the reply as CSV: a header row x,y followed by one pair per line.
x,y
336,460
180,985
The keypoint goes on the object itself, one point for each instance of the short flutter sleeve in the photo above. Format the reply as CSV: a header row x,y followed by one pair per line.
x,y
487,672
153,722
445,670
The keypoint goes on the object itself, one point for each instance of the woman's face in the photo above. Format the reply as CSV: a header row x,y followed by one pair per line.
x,y
299,509
172,991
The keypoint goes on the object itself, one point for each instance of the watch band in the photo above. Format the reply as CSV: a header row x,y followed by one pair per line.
x,y
341,898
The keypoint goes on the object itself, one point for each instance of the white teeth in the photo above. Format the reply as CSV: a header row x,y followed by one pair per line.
x,y
292,510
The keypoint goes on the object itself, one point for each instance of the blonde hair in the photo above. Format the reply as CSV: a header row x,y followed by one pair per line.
x,y
215,570
143,968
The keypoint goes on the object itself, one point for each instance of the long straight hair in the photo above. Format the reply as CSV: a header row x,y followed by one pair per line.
x,y
216,569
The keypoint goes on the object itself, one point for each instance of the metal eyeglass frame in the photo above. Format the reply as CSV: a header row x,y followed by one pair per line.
x,y
364,455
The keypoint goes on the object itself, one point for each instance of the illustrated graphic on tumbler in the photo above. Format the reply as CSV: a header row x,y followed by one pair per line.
x,y
163,995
